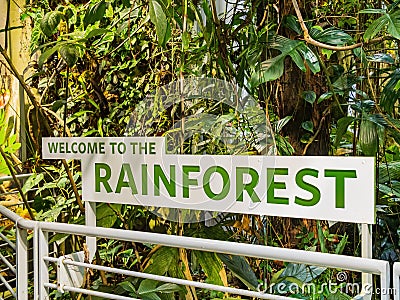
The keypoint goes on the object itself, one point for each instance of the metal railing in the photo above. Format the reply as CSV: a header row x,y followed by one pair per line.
x,y
8,247
29,260
41,259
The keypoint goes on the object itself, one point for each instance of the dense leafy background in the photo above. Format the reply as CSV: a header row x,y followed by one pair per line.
x,y
94,61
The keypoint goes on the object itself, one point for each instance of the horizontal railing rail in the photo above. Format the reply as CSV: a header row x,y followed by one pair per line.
x,y
41,230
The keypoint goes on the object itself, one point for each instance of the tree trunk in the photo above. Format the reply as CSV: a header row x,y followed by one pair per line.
x,y
291,102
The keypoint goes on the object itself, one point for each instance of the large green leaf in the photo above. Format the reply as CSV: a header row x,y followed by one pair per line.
x,y
292,22
302,272
147,290
331,36
50,22
394,24
309,96
310,58
392,190
161,261
391,20
212,266
95,32
32,181
381,58
375,27
278,125
271,69
105,214
390,93
95,13
341,129
241,269
46,55
389,171
69,53
308,125
159,19
294,47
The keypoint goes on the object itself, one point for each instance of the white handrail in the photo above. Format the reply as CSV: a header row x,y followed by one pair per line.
x,y
359,264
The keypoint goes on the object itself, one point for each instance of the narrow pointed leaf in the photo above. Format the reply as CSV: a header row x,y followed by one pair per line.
x,y
341,129
46,55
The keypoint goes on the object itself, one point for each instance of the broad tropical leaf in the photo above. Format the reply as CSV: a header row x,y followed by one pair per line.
x,y
391,20
95,13
241,268
341,129
302,272
272,68
50,22
70,54
331,36
159,19
381,58
292,22
212,267
161,261
391,93
368,138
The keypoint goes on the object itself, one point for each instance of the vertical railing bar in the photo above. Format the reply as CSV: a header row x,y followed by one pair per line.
x,y
12,245
385,281
36,287
43,266
22,262
366,252
396,281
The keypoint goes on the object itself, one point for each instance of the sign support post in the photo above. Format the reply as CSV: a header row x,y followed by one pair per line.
x,y
366,252
90,220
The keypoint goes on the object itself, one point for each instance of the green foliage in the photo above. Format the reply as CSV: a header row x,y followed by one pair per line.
x,y
391,20
8,141
241,268
50,22
159,19
272,69
212,266
95,13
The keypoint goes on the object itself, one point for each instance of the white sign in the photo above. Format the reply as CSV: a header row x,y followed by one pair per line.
x,y
137,171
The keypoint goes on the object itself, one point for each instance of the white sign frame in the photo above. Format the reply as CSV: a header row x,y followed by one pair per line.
x,y
110,164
